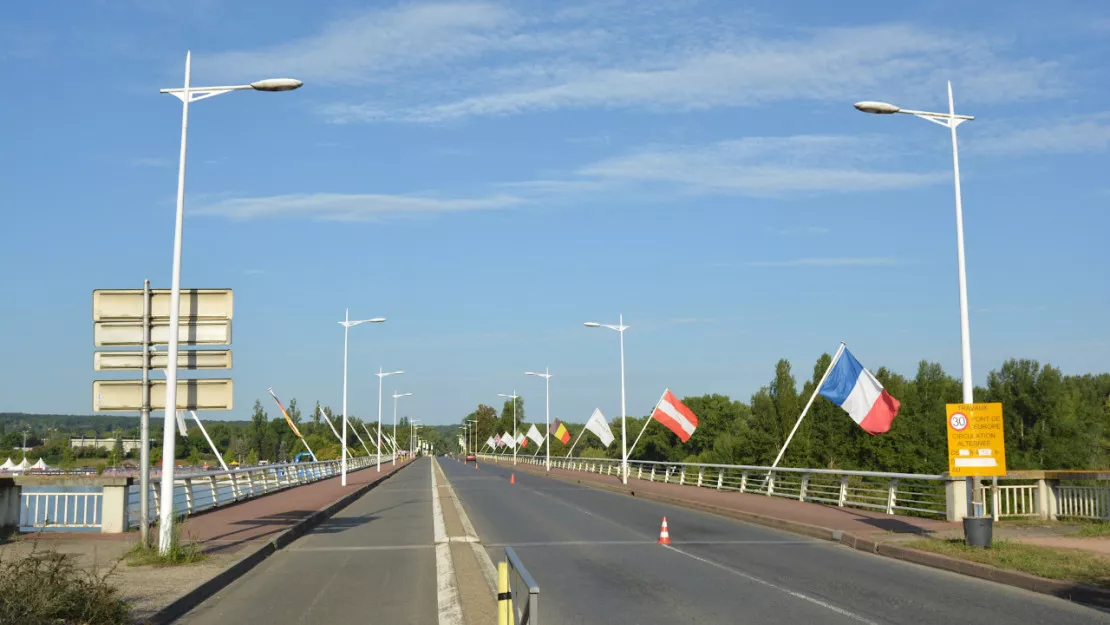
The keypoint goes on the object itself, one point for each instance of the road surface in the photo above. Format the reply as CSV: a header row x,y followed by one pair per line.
x,y
374,561
594,555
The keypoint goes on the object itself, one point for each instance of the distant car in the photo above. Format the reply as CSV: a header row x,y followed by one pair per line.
x,y
471,458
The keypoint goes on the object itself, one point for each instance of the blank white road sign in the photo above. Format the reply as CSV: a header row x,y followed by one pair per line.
x,y
127,395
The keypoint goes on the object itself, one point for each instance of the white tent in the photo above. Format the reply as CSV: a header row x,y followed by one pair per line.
x,y
8,465
40,466
22,466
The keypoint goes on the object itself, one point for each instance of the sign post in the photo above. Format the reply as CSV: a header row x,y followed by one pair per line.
x,y
144,426
976,443
139,318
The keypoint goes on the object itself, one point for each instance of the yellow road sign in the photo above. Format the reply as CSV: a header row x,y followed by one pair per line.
x,y
976,445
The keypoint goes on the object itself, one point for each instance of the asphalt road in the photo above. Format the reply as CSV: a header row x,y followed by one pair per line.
x,y
373,562
593,554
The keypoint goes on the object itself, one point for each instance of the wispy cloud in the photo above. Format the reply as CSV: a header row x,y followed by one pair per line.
x,y
753,167
690,320
454,60
825,262
155,161
1074,135
348,207
796,232
760,166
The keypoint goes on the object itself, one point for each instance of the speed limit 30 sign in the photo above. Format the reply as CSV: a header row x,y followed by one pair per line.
x,y
976,441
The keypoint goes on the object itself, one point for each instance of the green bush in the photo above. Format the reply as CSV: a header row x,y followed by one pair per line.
x,y
46,588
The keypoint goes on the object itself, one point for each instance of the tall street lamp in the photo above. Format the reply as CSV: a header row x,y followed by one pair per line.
x,y
546,375
347,325
513,397
620,328
472,430
395,398
187,94
382,376
951,121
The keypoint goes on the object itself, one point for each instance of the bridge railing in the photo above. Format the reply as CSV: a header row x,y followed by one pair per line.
x,y
1047,495
893,493
111,504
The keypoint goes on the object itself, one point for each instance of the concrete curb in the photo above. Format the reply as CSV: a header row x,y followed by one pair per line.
x,y
197,595
1072,591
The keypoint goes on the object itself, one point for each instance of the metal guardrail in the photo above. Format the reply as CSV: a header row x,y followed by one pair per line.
x,y
892,493
197,492
1048,495
39,509
70,508
524,611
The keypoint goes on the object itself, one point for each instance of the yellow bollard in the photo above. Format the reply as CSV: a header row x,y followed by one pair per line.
x,y
503,594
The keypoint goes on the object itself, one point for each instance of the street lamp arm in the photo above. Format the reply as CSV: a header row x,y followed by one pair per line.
x,y
930,116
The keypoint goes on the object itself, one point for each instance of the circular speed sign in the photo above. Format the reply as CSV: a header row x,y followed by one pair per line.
x,y
958,421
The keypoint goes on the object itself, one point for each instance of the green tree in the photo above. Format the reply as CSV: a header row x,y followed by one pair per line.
x,y
258,428
252,457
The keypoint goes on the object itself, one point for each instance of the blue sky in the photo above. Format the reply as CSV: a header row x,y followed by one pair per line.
x,y
489,175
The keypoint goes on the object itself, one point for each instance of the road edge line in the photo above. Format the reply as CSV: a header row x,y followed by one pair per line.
x,y
489,571
182,605
1075,592
449,606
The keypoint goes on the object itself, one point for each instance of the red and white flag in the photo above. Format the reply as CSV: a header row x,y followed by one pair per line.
x,y
497,441
675,416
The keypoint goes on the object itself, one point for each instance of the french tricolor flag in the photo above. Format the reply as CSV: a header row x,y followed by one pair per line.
x,y
854,389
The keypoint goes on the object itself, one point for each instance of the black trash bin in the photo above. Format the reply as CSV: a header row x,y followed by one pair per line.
x,y
978,531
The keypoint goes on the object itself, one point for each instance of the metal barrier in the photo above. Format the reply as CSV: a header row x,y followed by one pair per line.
x,y
522,611
1048,495
111,504
197,492
892,493
40,509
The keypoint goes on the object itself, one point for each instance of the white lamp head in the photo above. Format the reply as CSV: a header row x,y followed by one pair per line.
x,y
592,324
878,108
277,84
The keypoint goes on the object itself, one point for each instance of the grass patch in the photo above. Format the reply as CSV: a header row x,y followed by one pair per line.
x,y
1092,529
47,588
179,552
1063,564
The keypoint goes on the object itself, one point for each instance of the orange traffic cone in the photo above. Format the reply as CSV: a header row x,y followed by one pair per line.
x,y
664,535
475,465
512,478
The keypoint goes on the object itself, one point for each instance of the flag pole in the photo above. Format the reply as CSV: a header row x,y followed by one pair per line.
x,y
333,430
645,425
832,363
209,439
575,442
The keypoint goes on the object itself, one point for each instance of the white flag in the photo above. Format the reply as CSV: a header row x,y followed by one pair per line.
x,y
520,438
598,425
535,435
489,441
508,439
181,429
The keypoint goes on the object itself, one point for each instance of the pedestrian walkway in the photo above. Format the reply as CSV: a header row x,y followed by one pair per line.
x,y
228,530
226,534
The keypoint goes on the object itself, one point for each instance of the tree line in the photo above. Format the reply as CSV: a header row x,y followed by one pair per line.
x,y
1052,421
261,438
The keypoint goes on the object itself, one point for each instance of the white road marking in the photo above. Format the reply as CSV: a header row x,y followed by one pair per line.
x,y
572,543
792,593
447,588
485,563
362,548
